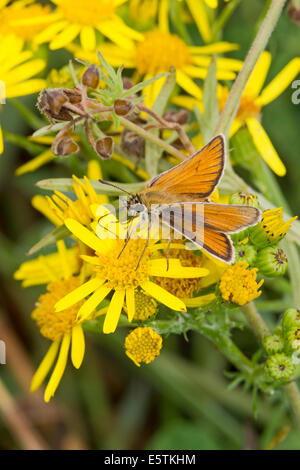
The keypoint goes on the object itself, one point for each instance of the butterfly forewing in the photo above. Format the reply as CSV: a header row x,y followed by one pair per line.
x,y
194,179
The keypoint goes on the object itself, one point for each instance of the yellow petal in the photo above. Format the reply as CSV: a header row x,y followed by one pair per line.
x,y
35,163
85,235
212,3
188,85
115,33
88,38
159,267
24,71
215,48
265,146
236,125
78,294
40,203
44,366
114,312
280,82
222,63
65,37
78,346
187,102
50,32
258,76
199,301
198,11
59,368
130,304
90,305
163,296
26,88
163,21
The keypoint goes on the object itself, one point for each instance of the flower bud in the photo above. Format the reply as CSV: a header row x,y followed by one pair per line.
x,y
273,344
271,229
280,367
272,261
123,107
243,199
245,252
132,143
293,12
293,337
91,77
290,318
105,147
66,147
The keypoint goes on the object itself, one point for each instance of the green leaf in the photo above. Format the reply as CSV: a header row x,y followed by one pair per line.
x,y
109,69
210,101
152,151
66,184
58,233
50,129
140,86
31,147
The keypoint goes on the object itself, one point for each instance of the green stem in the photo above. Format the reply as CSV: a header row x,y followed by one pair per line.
x,y
259,44
224,17
255,321
293,395
148,136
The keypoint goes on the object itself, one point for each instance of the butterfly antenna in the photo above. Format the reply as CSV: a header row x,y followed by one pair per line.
x,y
108,183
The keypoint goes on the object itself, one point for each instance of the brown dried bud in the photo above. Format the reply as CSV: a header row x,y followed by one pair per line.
x,y
133,144
105,147
123,107
74,96
293,13
51,101
66,147
91,77
180,117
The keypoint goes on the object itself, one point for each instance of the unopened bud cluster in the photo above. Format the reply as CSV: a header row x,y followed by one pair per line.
x,y
283,347
257,245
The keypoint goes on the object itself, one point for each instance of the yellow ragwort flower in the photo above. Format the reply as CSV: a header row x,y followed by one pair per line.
x,y
17,67
23,18
121,273
85,19
143,344
253,99
64,330
157,50
238,284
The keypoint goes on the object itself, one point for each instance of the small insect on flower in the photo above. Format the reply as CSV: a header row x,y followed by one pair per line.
x,y
180,197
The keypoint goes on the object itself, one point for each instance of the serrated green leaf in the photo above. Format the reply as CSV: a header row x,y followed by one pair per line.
x,y
109,69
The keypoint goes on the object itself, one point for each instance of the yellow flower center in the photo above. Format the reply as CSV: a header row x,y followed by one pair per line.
x,y
159,51
238,284
182,288
53,325
9,17
89,12
143,345
145,306
120,271
248,107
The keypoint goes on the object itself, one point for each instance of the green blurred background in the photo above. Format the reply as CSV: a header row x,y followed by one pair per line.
x,y
181,400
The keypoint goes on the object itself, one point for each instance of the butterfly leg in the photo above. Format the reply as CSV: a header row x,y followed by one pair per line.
x,y
145,247
126,240
168,253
